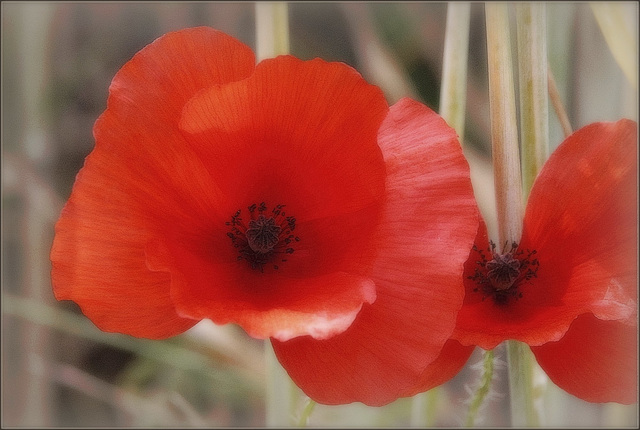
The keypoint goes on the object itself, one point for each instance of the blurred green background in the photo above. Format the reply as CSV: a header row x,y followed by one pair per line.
x,y
58,59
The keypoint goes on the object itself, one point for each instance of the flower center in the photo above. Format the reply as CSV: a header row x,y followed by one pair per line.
x,y
267,236
501,277
263,234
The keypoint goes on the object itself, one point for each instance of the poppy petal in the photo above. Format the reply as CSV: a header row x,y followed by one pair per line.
x,y
138,179
302,134
427,228
98,258
300,131
298,134
165,74
595,360
581,221
582,214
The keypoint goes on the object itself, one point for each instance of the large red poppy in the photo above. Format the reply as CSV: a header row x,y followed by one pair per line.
x,y
569,288
286,197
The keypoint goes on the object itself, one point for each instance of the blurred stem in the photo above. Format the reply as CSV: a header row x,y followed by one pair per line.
x,y
424,408
453,91
280,391
534,105
306,413
483,389
506,165
561,112
272,39
272,29
521,362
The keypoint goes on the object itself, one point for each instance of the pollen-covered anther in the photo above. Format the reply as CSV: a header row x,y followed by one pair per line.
x,y
501,277
265,238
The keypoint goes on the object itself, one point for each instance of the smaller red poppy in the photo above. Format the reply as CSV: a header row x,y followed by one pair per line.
x,y
286,197
569,288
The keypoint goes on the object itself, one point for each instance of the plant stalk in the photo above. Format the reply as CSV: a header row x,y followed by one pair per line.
x,y
504,128
533,83
272,29
508,185
453,90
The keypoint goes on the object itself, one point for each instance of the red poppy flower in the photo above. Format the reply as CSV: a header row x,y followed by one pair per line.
x,y
569,288
286,197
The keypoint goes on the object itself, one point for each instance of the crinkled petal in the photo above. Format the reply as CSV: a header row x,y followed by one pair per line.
x,y
141,178
264,304
581,220
427,228
595,360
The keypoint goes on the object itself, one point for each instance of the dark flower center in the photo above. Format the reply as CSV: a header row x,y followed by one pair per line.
x,y
267,237
263,234
501,277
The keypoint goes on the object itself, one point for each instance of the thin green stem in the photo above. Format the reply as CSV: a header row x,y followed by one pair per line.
x,y
558,107
306,413
483,389
534,103
453,91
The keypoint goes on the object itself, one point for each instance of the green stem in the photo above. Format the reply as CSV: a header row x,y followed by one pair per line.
x,y
453,91
534,122
483,389
521,362
306,413
534,103
424,408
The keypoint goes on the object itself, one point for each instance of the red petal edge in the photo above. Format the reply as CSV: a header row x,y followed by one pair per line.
x,y
128,183
596,360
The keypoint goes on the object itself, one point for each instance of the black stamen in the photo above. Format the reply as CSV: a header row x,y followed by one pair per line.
x,y
502,276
